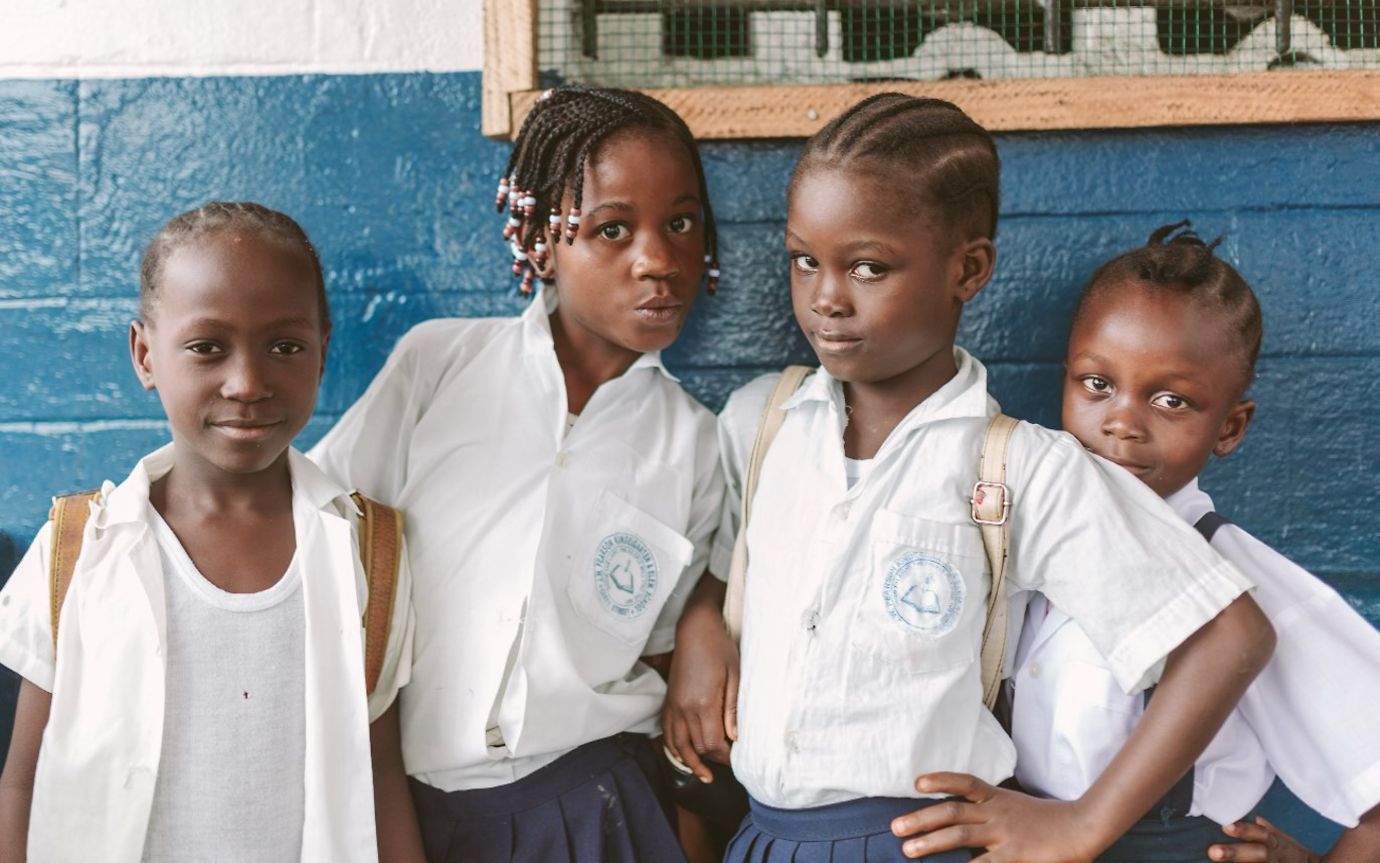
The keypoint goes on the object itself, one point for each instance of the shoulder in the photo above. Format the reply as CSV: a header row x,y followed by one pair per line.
x,y
743,410
442,337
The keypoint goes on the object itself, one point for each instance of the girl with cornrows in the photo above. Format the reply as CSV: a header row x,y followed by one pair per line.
x,y
561,491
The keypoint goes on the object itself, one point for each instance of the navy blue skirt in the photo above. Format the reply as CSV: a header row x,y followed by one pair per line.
x,y
858,831
604,802
1176,840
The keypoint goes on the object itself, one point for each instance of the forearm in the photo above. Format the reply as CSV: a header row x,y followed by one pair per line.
x,y
706,599
395,815
14,822
1360,844
1203,679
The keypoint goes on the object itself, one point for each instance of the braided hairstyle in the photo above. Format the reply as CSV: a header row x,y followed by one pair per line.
x,y
931,149
213,218
1178,260
563,131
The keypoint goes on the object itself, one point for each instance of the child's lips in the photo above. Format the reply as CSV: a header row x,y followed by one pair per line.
x,y
246,430
835,342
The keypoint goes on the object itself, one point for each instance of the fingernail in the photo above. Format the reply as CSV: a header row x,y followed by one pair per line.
x,y
915,848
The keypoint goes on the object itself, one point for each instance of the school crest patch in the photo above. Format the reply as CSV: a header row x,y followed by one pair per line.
x,y
625,574
924,593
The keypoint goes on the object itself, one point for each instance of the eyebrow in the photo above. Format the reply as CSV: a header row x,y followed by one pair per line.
x,y
280,323
850,248
1098,358
625,207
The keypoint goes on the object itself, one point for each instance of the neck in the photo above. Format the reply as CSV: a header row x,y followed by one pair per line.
x,y
586,360
195,486
876,408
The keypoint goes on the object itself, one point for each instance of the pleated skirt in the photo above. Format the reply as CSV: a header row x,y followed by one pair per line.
x,y
604,802
857,831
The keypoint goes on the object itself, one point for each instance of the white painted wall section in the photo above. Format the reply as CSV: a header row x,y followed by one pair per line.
x,y
153,38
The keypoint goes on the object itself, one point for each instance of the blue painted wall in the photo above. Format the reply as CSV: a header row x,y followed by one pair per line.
x,y
391,178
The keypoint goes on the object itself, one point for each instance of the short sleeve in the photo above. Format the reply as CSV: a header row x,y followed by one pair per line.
x,y
397,656
705,504
737,429
26,637
1111,554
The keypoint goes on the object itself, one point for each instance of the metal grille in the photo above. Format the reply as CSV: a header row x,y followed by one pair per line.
x,y
680,43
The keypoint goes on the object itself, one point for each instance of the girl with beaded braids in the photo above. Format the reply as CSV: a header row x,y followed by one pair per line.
x,y
861,703
561,492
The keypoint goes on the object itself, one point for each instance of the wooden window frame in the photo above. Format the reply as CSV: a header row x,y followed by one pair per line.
x,y
1027,104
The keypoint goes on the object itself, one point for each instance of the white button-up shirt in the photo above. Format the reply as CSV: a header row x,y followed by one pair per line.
x,y
865,606
546,563
99,758
1311,715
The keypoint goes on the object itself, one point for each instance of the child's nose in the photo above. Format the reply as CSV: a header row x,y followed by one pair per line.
x,y
655,258
1123,421
830,300
246,381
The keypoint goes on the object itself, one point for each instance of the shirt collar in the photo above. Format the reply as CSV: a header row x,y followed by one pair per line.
x,y
963,395
125,503
536,332
1190,502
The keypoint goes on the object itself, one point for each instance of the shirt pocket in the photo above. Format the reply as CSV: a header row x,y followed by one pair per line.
x,y
924,604
627,566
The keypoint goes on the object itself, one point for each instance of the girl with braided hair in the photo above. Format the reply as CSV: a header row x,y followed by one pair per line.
x,y
861,704
561,491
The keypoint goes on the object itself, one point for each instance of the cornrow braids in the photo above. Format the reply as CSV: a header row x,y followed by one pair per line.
x,y
563,131
213,218
1175,258
929,146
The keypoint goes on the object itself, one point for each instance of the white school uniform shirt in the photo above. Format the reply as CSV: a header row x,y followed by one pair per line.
x,y
546,563
865,606
98,764
1310,715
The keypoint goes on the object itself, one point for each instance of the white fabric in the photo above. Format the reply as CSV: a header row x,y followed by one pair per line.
x,y
1310,716
95,787
855,469
230,783
865,606
515,527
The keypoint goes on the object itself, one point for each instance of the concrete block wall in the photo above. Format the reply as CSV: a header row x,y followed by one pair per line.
x,y
390,176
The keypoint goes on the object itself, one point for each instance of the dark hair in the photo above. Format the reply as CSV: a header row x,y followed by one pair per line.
x,y
563,131
930,146
213,218
1182,262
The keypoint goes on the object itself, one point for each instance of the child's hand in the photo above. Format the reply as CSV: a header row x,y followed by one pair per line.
x,y
701,710
1262,842
1010,825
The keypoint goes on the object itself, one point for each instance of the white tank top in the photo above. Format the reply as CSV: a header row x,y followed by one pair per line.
x,y
230,781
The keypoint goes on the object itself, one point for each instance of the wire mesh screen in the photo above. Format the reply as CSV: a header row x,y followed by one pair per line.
x,y
681,43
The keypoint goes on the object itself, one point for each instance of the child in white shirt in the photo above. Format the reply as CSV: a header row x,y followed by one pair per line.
x,y
201,695
1162,351
865,602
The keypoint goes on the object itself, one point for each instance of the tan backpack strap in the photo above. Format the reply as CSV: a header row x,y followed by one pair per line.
x,y
69,516
767,427
991,504
380,544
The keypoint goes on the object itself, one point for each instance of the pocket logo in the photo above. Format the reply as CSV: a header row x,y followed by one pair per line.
x,y
625,574
923,592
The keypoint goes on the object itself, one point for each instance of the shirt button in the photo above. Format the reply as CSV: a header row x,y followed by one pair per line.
x,y
560,459
1034,669
792,741
810,620
841,511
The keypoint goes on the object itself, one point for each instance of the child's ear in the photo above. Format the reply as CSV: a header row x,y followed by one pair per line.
x,y
547,271
139,353
1234,428
975,259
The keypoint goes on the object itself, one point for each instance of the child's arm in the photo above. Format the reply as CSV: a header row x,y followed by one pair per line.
x,y
1203,679
17,780
701,713
1263,842
400,837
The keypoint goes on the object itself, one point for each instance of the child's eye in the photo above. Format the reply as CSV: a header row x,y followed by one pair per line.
x,y
682,224
1095,384
287,348
804,263
869,271
1170,401
614,231
204,348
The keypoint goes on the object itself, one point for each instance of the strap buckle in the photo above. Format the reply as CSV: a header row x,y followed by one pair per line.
x,y
986,511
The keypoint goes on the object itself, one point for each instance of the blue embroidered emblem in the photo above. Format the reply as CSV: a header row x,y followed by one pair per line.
x,y
625,574
924,592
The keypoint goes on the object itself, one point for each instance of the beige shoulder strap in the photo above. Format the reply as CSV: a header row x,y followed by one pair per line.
x,y
991,504
380,543
69,516
767,427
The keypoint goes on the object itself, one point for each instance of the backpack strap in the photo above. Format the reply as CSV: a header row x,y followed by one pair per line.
x,y
767,427
69,515
991,505
380,544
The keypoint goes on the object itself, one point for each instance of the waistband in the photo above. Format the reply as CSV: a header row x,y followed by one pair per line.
x,y
866,816
566,773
